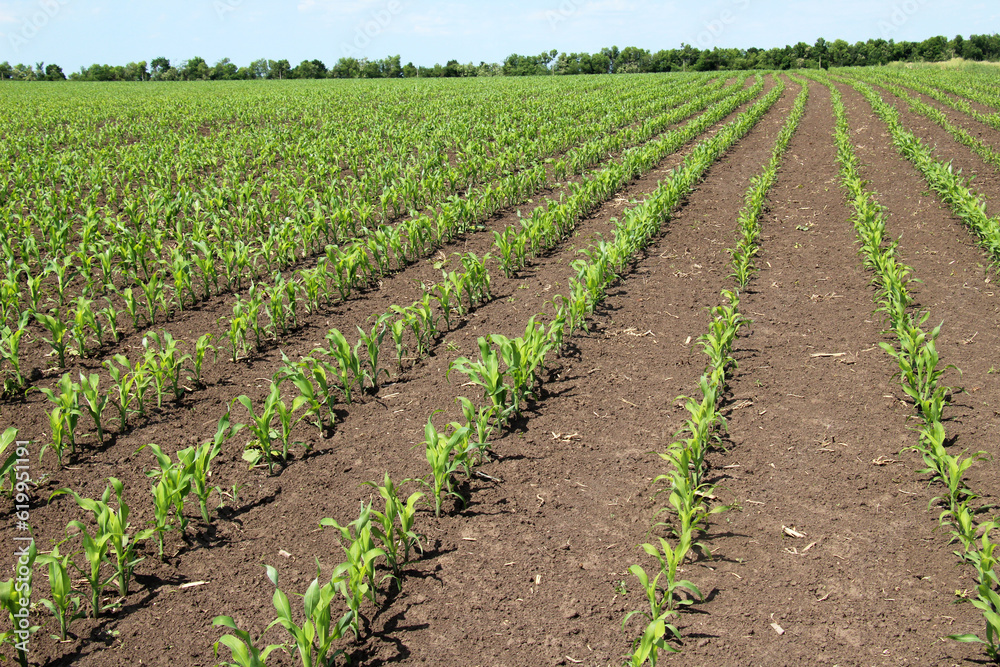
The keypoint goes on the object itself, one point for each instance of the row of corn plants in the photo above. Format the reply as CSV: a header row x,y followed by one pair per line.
x,y
956,103
352,266
688,492
211,251
164,370
963,136
548,226
952,187
508,371
920,375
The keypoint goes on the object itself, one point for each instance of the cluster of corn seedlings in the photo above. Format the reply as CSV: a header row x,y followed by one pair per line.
x,y
374,538
189,474
961,135
548,226
507,389
917,359
109,555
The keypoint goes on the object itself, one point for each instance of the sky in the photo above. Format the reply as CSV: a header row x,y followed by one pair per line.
x,y
76,33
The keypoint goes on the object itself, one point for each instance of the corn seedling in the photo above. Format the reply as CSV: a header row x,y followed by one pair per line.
x,y
172,489
487,374
96,401
315,637
198,462
349,365
167,363
14,477
394,526
396,330
443,452
242,646
67,402
480,427
987,599
111,314
10,351
296,374
63,605
57,328
95,551
201,349
355,578
372,342
262,446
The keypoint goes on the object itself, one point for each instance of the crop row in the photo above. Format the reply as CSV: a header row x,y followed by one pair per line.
x,y
508,370
175,484
952,187
920,374
688,492
348,264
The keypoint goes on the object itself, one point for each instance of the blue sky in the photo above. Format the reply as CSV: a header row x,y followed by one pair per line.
x,y
73,33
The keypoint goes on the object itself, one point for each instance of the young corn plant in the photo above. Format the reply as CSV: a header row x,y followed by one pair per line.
x,y
487,374
355,578
197,461
201,349
986,560
372,343
167,362
10,351
14,476
394,526
63,605
95,551
664,601
96,401
242,647
444,455
315,637
170,492
15,600
348,362
59,341
67,413
261,448
296,373
917,359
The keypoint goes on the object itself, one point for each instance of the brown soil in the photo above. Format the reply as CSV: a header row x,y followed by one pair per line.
x,y
533,570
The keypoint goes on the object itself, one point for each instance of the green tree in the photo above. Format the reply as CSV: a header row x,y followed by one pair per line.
x,y
195,69
278,69
52,72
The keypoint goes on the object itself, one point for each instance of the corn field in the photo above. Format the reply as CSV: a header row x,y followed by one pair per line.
x,y
688,368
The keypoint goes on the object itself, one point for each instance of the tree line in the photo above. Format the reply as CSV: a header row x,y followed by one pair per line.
x,y
613,60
